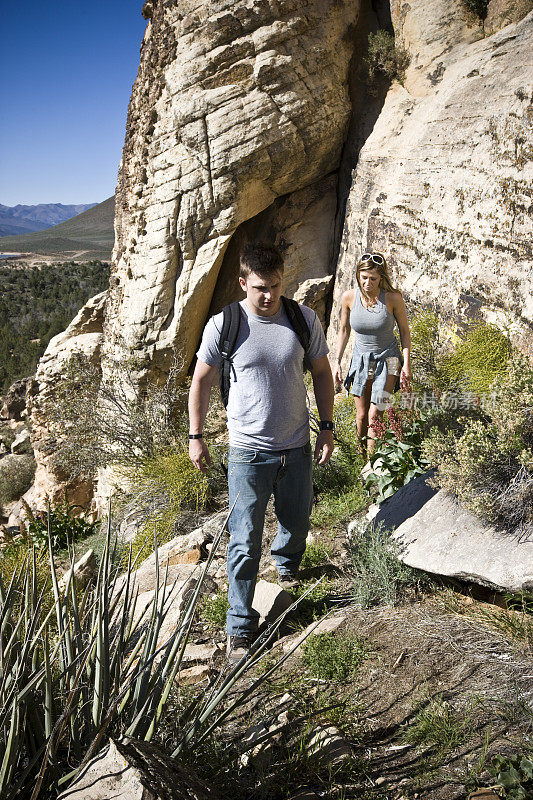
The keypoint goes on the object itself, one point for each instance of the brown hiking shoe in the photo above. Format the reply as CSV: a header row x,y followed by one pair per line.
x,y
239,645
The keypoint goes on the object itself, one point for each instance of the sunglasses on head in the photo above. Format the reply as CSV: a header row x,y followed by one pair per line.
x,y
375,257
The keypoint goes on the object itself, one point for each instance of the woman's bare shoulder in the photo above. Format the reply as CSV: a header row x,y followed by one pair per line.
x,y
394,298
348,297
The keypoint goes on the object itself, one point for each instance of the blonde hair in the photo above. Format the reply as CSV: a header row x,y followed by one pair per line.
x,y
382,269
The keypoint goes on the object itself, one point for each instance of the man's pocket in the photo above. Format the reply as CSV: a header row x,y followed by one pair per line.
x,y
239,455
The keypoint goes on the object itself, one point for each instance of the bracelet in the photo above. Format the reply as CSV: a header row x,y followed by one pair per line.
x,y
327,425
196,436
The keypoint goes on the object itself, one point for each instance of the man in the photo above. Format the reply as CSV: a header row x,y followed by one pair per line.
x,y
268,425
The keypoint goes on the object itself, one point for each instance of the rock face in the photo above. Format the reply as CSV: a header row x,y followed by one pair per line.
x,y
238,116
443,182
84,335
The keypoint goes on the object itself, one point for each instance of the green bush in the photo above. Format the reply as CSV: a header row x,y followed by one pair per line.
x,y
488,464
384,58
16,476
333,657
171,483
479,358
65,528
379,577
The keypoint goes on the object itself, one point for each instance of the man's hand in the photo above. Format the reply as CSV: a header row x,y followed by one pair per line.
x,y
199,454
324,447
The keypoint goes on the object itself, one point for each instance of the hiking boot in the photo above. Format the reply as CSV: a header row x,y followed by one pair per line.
x,y
239,645
288,580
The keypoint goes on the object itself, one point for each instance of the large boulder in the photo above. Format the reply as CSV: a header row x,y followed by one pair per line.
x,y
14,405
436,534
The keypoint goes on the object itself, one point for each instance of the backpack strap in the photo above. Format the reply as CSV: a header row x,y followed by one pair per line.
x,y
228,337
300,327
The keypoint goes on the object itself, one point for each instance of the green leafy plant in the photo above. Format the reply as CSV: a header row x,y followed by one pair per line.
x,y
62,525
379,577
385,59
16,476
333,657
212,609
397,457
515,775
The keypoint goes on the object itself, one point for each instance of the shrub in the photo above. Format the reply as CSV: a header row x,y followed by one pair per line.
x,y
489,464
102,421
477,7
170,483
378,574
65,528
16,476
478,359
384,59
333,657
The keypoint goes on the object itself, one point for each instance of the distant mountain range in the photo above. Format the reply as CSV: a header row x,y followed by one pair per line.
x,y
88,235
15,220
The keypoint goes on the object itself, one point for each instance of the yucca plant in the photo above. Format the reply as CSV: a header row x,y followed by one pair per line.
x,y
89,668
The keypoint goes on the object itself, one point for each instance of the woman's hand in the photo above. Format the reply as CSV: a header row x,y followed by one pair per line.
x,y
337,376
405,378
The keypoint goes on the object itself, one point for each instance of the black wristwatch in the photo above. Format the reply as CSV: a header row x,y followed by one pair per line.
x,y
327,425
196,436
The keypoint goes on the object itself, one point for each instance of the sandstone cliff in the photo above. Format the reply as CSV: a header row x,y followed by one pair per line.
x,y
443,181
238,115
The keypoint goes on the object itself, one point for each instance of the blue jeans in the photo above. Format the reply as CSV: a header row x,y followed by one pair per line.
x,y
253,476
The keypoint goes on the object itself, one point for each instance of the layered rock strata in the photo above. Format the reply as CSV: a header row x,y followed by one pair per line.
x,y
235,105
443,182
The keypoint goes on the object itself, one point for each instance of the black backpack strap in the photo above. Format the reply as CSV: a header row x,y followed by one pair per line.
x,y
300,326
228,337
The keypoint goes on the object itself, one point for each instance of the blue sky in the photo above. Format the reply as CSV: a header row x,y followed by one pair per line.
x,y
66,72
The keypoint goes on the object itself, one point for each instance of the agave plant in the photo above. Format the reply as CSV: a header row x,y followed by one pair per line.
x,y
90,667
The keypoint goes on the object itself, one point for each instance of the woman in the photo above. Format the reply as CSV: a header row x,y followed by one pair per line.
x,y
371,310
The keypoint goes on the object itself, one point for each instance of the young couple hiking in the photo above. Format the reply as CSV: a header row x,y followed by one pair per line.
x,y
258,351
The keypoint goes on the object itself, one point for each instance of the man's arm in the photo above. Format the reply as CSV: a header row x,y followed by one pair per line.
x,y
202,380
323,386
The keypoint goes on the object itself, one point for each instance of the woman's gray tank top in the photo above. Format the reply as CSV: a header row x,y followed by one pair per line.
x,y
373,327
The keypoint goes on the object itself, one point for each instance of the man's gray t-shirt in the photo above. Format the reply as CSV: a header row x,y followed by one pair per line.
x,y
267,408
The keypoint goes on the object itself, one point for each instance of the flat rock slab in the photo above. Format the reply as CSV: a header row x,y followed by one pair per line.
x,y
443,538
270,601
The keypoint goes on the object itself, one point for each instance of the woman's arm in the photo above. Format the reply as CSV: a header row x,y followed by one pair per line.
x,y
400,314
344,332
